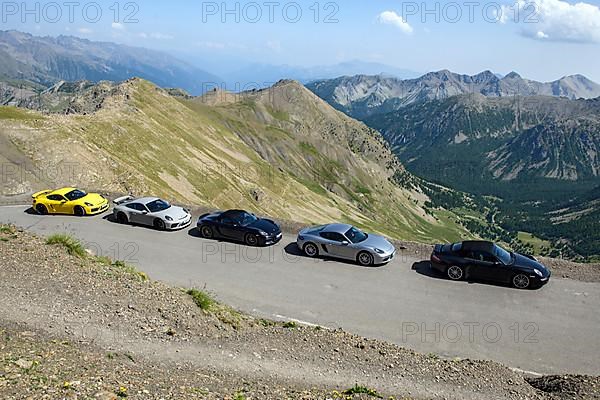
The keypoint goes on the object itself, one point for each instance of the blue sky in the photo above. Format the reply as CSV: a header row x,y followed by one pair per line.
x,y
540,39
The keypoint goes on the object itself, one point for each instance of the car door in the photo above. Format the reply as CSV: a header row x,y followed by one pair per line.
x,y
334,244
228,227
345,248
136,214
56,203
146,217
488,266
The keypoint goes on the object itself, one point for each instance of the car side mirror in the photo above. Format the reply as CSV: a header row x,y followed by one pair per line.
x,y
144,212
345,243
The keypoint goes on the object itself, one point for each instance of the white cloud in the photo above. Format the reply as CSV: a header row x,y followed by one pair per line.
x,y
556,20
85,31
392,18
211,45
161,36
274,45
118,26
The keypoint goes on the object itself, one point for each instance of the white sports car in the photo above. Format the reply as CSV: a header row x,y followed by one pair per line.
x,y
151,211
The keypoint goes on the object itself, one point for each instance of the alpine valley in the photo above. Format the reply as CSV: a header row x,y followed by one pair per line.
x,y
527,151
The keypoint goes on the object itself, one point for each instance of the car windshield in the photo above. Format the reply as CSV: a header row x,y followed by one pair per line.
x,y
246,219
356,235
158,205
502,255
75,195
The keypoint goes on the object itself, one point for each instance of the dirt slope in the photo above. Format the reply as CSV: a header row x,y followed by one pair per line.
x,y
76,327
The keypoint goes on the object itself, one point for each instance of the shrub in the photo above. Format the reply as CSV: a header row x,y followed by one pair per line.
x,y
73,246
362,390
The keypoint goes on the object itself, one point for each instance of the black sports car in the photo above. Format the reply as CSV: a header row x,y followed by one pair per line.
x,y
240,226
488,261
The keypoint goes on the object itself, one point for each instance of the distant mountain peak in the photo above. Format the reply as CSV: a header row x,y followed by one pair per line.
x,y
48,60
513,75
362,97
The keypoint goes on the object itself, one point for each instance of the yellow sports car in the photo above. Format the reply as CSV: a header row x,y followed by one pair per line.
x,y
69,201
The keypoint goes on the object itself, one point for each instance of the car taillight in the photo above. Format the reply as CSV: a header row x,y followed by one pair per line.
x,y
435,258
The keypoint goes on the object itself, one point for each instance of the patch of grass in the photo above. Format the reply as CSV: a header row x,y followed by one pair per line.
x,y
363,190
266,322
309,148
9,112
239,396
362,390
536,243
225,314
131,270
72,245
202,299
290,325
7,229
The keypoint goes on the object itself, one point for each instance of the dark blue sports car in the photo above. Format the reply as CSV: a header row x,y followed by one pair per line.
x,y
239,225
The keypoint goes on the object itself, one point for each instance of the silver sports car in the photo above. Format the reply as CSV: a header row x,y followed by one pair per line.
x,y
346,242
151,211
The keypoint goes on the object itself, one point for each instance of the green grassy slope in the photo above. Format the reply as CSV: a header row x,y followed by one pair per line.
x,y
290,157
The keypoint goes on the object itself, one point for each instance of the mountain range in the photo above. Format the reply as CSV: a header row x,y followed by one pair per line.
x,y
38,62
362,96
281,152
503,138
266,74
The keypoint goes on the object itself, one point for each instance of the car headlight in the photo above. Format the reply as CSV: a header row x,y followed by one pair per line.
x,y
538,273
88,204
168,218
263,233
300,237
379,251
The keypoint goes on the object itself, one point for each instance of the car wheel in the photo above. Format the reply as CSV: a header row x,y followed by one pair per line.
x,y
206,232
159,224
365,259
251,240
521,281
311,250
41,209
122,218
79,211
455,273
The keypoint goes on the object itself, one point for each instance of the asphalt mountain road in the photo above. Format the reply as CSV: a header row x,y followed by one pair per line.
x,y
547,331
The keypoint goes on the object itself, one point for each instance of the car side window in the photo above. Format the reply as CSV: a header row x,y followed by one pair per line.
x,y
225,220
338,237
487,257
325,235
136,206
334,236
56,197
483,256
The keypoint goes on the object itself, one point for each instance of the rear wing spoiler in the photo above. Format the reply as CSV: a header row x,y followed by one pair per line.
x,y
38,194
122,200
